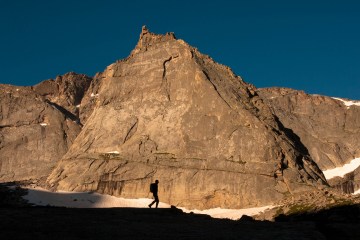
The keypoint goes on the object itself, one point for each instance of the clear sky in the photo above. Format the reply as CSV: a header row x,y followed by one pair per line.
x,y
310,45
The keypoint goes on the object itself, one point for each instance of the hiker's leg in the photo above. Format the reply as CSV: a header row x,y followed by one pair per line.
x,y
151,203
157,201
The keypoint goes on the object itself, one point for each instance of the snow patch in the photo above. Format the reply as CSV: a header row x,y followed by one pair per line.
x,y
42,197
348,103
43,124
356,192
114,152
94,95
341,171
233,214
78,106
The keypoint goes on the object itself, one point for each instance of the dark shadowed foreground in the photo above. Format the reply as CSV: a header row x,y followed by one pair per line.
x,y
136,223
131,223
18,220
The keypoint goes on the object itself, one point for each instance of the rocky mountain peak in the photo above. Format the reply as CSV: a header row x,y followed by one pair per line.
x,y
148,39
65,92
144,30
169,112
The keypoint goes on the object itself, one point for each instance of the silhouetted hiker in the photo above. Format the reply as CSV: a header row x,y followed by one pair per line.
x,y
154,190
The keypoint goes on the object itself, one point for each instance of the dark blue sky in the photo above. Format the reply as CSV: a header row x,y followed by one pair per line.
x,y
310,45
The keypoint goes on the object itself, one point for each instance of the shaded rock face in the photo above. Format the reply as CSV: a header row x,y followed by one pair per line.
x,y
89,99
65,92
34,134
170,113
329,129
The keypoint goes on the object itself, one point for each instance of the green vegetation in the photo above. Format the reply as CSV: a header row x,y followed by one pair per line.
x,y
301,209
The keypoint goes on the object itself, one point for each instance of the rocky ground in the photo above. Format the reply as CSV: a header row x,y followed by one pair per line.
x,y
21,221
322,200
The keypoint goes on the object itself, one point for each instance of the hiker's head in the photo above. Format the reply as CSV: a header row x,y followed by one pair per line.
x,y
156,181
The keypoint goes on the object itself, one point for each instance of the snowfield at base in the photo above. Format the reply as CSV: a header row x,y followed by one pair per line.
x,y
348,103
233,214
42,197
341,171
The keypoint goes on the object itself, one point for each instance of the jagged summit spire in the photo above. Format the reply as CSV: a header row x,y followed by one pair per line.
x,y
148,39
144,30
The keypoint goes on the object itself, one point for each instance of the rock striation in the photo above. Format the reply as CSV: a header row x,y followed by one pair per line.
x,y
38,125
170,113
349,183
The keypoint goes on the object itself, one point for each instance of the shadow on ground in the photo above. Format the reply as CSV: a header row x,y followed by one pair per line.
x,y
19,221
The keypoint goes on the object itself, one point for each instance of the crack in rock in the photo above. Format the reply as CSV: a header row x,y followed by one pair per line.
x,y
165,83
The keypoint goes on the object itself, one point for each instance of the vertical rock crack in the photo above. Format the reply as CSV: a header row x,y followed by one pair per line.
x,y
165,83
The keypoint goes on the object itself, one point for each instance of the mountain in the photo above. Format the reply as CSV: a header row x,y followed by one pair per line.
x,y
65,92
328,127
170,113
38,125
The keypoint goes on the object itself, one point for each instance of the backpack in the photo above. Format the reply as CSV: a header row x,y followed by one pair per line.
x,y
152,187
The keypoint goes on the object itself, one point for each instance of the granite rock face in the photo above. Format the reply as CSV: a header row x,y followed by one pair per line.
x,y
34,134
329,130
170,113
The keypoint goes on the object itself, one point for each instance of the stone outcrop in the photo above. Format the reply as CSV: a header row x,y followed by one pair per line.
x,y
349,183
170,113
328,201
328,128
65,92
34,134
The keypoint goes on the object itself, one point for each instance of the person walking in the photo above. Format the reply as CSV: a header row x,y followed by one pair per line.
x,y
154,190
